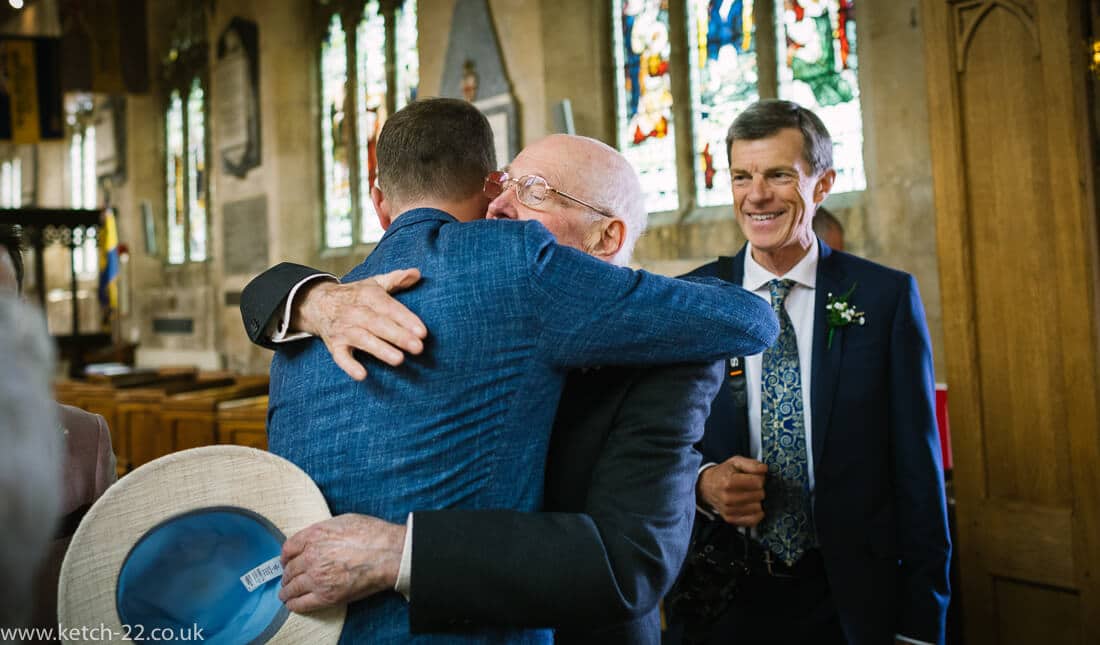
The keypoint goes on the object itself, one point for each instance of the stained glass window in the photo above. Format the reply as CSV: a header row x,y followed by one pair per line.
x,y
818,70
334,148
644,97
196,172
407,55
370,100
722,59
174,180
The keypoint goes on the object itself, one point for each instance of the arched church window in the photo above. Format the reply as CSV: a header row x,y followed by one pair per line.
x,y
356,79
810,58
83,183
186,180
187,138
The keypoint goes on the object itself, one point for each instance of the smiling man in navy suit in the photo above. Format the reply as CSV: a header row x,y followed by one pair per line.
x,y
821,463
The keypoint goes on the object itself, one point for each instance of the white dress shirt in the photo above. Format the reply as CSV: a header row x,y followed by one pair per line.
x,y
278,330
800,308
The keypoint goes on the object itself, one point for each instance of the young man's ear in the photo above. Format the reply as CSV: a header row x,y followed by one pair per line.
x,y
607,238
381,206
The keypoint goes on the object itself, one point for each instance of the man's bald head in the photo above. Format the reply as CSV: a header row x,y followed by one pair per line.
x,y
594,172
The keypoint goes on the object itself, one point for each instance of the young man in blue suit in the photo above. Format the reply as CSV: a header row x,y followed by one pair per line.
x,y
466,423
821,458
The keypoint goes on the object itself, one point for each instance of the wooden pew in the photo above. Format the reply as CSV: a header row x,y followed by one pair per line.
x,y
99,395
243,422
190,419
139,415
68,391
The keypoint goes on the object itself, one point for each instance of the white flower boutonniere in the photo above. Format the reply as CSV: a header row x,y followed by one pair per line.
x,y
841,313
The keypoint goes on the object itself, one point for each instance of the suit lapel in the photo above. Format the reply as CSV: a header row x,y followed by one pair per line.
x,y
825,364
734,272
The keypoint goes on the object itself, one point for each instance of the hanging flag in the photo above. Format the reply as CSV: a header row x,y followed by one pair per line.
x,y
108,266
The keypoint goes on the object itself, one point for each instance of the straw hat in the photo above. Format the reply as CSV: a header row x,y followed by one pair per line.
x,y
189,545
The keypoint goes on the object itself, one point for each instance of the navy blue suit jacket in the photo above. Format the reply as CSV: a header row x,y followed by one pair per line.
x,y
879,504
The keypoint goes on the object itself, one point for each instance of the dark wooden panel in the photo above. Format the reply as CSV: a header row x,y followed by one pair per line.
x,y
1028,614
1029,542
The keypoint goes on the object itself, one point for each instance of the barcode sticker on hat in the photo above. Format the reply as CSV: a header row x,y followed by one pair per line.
x,y
267,571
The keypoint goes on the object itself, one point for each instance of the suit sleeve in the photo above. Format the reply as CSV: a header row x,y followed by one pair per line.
x,y
924,541
612,562
265,296
593,313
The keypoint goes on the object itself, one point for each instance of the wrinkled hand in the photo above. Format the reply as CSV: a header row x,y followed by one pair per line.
x,y
340,560
361,315
735,489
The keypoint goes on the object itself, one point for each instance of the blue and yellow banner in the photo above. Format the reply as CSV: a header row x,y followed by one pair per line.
x,y
108,265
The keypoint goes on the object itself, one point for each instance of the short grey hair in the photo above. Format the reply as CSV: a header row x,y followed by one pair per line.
x,y
621,197
628,204
30,455
766,118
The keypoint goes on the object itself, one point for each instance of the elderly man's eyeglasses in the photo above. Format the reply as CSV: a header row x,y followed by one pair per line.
x,y
532,190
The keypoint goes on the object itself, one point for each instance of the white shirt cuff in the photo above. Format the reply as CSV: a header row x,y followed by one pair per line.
x,y
278,329
404,571
906,639
704,511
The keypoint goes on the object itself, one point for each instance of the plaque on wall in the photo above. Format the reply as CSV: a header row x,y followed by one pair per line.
x,y
244,228
110,140
236,99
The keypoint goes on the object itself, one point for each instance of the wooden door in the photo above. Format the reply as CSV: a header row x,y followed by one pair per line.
x,y
1012,158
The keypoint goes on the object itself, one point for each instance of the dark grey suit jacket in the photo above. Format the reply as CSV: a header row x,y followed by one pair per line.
x,y
618,510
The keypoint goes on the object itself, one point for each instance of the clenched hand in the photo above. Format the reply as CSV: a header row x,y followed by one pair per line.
x,y
735,490
340,560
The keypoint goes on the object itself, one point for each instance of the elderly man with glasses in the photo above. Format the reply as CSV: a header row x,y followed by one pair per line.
x,y
620,467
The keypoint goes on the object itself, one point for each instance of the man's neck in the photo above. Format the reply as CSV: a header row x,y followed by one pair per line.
x,y
780,261
465,210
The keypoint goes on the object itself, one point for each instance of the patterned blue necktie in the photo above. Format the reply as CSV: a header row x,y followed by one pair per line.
x,y
787,529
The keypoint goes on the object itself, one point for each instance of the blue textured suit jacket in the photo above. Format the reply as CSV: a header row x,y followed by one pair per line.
x,y
879,504
466,424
